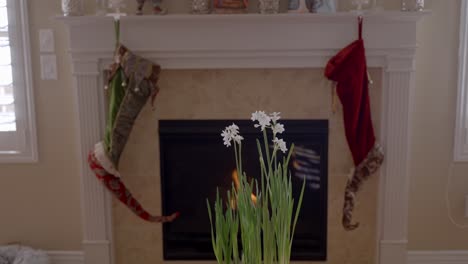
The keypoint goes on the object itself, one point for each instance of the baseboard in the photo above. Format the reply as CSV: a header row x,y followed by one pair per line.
x,y
66,257
438,257
414,257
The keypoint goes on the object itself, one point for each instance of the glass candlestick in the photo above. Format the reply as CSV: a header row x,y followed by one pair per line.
x,y
297,6
117,5
72,7
101,7
376,7
359,4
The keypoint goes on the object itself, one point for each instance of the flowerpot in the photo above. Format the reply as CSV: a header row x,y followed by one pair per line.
x,y
201,6
72,7
269,6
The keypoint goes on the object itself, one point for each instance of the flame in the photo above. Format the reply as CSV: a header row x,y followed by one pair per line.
x,y
235,179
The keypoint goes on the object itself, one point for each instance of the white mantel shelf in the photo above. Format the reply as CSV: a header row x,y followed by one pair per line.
x,y
246,41
250,41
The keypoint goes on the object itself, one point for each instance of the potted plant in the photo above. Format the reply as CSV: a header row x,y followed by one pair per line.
x,y
261,213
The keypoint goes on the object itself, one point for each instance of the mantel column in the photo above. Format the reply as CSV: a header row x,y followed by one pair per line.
x,y
95,205
394,196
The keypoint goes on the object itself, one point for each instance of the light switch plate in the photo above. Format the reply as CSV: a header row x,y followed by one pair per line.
x,y
49,67
46,40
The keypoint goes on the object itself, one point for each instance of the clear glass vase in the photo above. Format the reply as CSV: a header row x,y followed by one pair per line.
x,y
201,6
101,7
412,5
269,6
73,7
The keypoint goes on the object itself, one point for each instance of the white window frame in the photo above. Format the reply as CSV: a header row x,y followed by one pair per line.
x,y
21,145
461,126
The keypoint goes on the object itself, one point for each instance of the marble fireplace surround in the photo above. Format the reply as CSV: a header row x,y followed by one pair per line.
x,y
250,42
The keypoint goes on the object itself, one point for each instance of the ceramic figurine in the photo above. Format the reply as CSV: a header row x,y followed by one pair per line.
x,y
157,7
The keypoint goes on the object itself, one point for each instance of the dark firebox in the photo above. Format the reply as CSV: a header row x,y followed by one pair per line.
x,y
194,163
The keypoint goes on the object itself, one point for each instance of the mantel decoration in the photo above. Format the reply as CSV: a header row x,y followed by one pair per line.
x,y
131,81
297,6
201,6
73,7
322,6
101,7
231,6
269,6
412,5
261,212
348,69
117,6
359,4
157,7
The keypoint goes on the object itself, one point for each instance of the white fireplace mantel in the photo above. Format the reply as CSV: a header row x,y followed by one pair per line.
x,y
250,41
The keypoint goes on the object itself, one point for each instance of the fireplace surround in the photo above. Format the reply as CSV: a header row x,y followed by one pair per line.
x,y
215,41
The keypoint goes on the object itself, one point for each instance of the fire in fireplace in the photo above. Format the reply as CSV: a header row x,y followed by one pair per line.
x,y
194,162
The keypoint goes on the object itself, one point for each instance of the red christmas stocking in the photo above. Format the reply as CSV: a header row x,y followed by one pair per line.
x,y
349,69
133,80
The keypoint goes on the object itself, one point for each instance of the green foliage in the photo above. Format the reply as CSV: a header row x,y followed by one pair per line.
x,y
225,244
267,225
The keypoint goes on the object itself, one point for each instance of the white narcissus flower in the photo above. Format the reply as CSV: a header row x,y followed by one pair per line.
x,y
275,116
277,128
279,143
238,138
231,133
263,119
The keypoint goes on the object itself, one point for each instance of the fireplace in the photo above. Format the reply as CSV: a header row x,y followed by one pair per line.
x,y
194,162
274,42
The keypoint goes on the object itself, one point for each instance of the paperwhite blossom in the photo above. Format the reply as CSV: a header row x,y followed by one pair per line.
x,y
263,119
279,143
277,128
238,138
275,116
231,133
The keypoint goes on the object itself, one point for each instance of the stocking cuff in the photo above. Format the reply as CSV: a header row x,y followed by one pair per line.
x,y
103,159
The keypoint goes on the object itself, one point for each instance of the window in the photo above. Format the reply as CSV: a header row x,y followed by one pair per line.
x,y
461,128
17,123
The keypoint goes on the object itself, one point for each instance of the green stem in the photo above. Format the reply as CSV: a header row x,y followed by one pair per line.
x,y
237,158
240,158
267,150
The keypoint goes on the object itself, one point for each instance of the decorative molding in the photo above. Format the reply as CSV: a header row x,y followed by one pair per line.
x,y
438,257
95,201
461,126
220,41
394,194
251,41
414,257
66,257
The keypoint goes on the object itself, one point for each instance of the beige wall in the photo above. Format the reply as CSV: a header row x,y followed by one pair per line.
x,y
40,202
432,136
